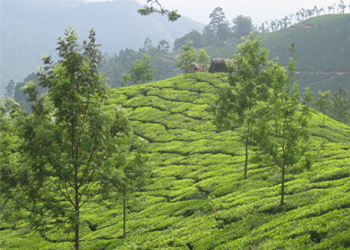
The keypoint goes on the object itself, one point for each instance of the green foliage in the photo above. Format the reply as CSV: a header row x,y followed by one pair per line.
x,y
324,103
335,105
281,127
249,83
218,28
242,26
72,147
194,36
140,71
197,198
189,55
172,15
320,42
10,89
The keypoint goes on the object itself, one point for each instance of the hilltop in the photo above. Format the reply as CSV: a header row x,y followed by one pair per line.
x,y
197,198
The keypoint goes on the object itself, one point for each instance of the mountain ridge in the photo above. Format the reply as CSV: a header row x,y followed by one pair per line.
x,y
29,29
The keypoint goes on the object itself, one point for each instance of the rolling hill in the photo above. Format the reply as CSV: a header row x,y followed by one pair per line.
x,y
322,44
197,198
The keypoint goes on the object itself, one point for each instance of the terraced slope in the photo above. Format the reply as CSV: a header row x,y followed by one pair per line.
x,y
197,198
322,46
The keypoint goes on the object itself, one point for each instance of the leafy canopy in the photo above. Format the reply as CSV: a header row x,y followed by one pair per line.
x,y
73,148
140,71
172,15
189,55
251,76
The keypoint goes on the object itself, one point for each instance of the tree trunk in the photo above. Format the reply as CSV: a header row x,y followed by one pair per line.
x,y
76,240
246,160
76,209
282,187
124,213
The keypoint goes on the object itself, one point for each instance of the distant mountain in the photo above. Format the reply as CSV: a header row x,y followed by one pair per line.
x,y
30,29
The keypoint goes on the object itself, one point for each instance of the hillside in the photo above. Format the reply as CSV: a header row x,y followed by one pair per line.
x,y
323,51
30,29
197,198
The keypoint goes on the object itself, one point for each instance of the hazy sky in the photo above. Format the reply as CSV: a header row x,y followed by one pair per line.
x,y
259,10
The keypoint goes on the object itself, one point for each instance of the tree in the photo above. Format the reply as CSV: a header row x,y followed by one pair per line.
x,y
281,127
163,46
172,15
330,8
9,158
251,75
321,10
324,103
217,17
194,36
242,26
189,55
341,106
21,97
342,6
219,26
336,105
316,10
224,32
72,146
202,58
134,172
10,89
310,12
208,36
140,71
147,45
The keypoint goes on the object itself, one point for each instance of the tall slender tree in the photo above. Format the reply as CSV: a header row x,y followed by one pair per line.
x,y
250,78
71,144
10,89
281,127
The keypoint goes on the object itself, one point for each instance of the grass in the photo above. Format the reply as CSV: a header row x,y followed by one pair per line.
x,y
197,198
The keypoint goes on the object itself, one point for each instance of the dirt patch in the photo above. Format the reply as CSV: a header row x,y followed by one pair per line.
x,y
307,26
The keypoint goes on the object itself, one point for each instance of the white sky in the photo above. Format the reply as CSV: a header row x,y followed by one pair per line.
x,y
259,10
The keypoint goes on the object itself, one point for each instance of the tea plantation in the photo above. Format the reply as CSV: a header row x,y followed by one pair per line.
x,y
196,197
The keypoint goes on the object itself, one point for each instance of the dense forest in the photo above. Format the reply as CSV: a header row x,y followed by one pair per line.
x,y
124,151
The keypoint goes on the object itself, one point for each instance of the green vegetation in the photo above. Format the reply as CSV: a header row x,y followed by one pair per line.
x,y
252,75
196,197
148,9
140,71
189,55
72,149
335,105
321,44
